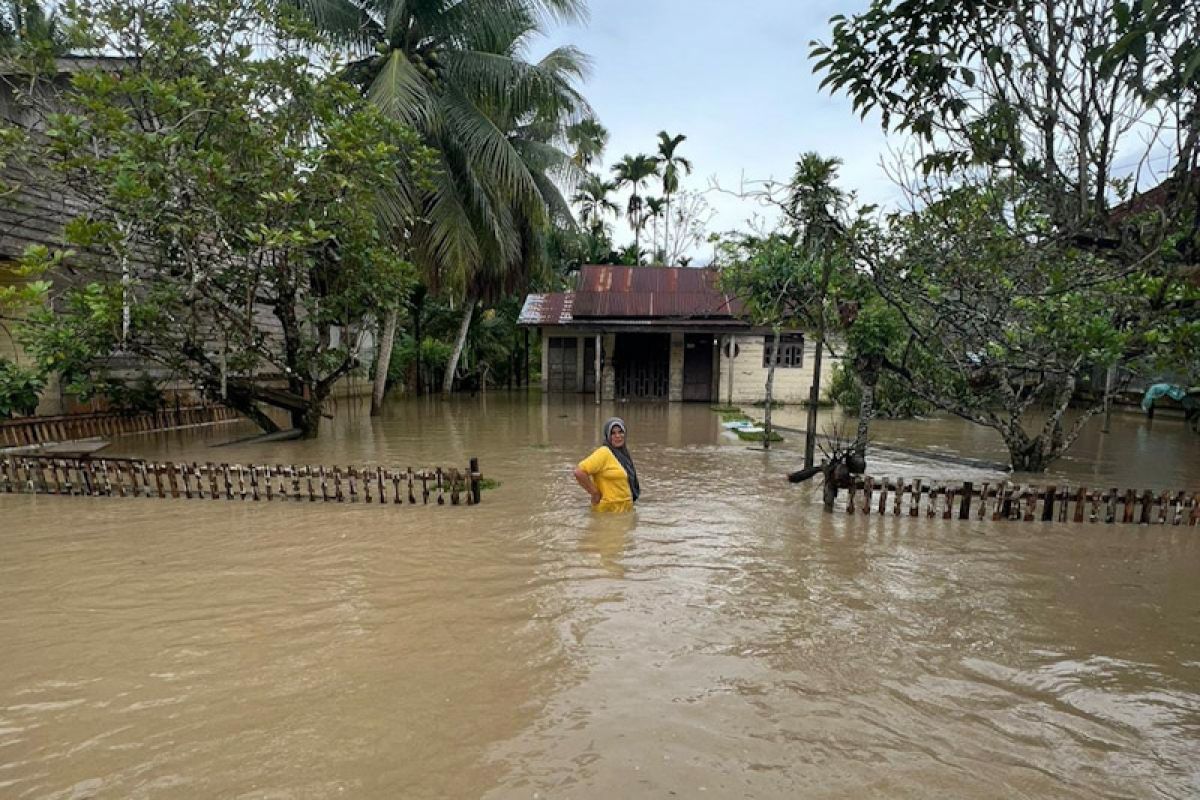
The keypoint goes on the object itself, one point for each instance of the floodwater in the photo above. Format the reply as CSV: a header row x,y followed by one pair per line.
x,y
726,640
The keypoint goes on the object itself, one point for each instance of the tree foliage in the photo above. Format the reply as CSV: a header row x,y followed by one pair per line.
x,y
230,235
1028,257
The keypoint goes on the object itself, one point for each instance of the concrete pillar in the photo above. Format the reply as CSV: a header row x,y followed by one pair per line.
x,y
545,361
608,373
596,366
727,363
675,381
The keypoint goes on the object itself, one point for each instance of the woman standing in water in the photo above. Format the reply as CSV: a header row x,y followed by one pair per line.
x,y
608,475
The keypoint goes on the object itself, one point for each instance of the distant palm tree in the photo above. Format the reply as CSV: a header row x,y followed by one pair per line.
x,y
592,199
455,70
671,165
634,171
654,212
588,138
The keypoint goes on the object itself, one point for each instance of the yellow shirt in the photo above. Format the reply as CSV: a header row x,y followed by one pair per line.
x,y
610,478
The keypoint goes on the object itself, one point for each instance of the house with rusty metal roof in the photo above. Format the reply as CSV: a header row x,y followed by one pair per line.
x,y
661,333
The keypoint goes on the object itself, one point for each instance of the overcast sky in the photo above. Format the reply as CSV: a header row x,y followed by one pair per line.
x,y
736,79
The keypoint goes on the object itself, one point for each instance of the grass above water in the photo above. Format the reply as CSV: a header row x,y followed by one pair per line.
x,y
757,436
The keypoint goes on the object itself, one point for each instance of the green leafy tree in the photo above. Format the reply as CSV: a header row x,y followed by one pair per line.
x,y
1002,317
1034,122
26,25
20,389
775,278
230,235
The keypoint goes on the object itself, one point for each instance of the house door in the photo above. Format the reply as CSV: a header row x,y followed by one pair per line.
x,y
560,364
698,367
643,366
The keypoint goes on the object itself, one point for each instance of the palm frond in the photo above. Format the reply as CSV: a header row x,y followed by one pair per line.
x,y
491,154
401,91
344,21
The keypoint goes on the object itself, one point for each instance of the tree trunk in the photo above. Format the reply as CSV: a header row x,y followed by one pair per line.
x,y
667,233
253,412
308,421
383,360
866,413
452,364
814,393
1026,454
770,390
814,396
637,233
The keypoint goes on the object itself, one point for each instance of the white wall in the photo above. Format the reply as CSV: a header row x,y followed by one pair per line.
x,y
750,376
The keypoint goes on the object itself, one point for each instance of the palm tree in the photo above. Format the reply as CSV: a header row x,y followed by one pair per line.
x,y
815,208
634,171
592,199
654,212
671,165
815,204
588,138
455,71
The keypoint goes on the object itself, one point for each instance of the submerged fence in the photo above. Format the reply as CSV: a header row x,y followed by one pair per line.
x,y
39,430
122,477
1011,501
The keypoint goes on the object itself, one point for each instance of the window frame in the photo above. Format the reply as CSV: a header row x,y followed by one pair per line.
x,y
791,350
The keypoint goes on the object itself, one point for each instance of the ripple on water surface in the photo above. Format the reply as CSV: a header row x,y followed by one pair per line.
x,y
728,638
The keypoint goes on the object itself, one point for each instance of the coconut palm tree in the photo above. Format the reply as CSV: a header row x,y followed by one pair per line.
x,y
592,199
456,71
670,165
588,138
634,171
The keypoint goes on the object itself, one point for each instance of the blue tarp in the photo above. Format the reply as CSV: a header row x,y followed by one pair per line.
x,y
1160,389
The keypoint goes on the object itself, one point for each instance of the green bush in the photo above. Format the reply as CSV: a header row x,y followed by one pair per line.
x,y
433,355
20,390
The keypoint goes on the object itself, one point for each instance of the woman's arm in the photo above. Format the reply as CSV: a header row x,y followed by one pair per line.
x,y
589,486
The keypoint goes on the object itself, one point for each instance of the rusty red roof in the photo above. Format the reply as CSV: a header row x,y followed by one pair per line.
x,y
547,309
614,291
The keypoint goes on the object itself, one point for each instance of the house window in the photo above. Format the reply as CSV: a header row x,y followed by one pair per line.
x,y
791,350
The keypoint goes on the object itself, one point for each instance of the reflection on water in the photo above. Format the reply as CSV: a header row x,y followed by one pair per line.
x,y
606,536
728,639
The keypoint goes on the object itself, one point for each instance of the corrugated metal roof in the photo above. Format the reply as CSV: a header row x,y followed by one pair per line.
x,y
547,309
655,292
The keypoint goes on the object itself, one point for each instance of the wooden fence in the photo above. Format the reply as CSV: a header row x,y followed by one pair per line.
x,y
40,430
1010,501
120,477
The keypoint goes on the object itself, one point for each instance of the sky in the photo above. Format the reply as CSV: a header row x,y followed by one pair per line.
x,y
736,79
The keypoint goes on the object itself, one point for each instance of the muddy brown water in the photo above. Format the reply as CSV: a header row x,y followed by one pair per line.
x,y
727,640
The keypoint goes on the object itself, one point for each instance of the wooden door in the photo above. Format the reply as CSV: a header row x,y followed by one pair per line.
x,y
698,367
